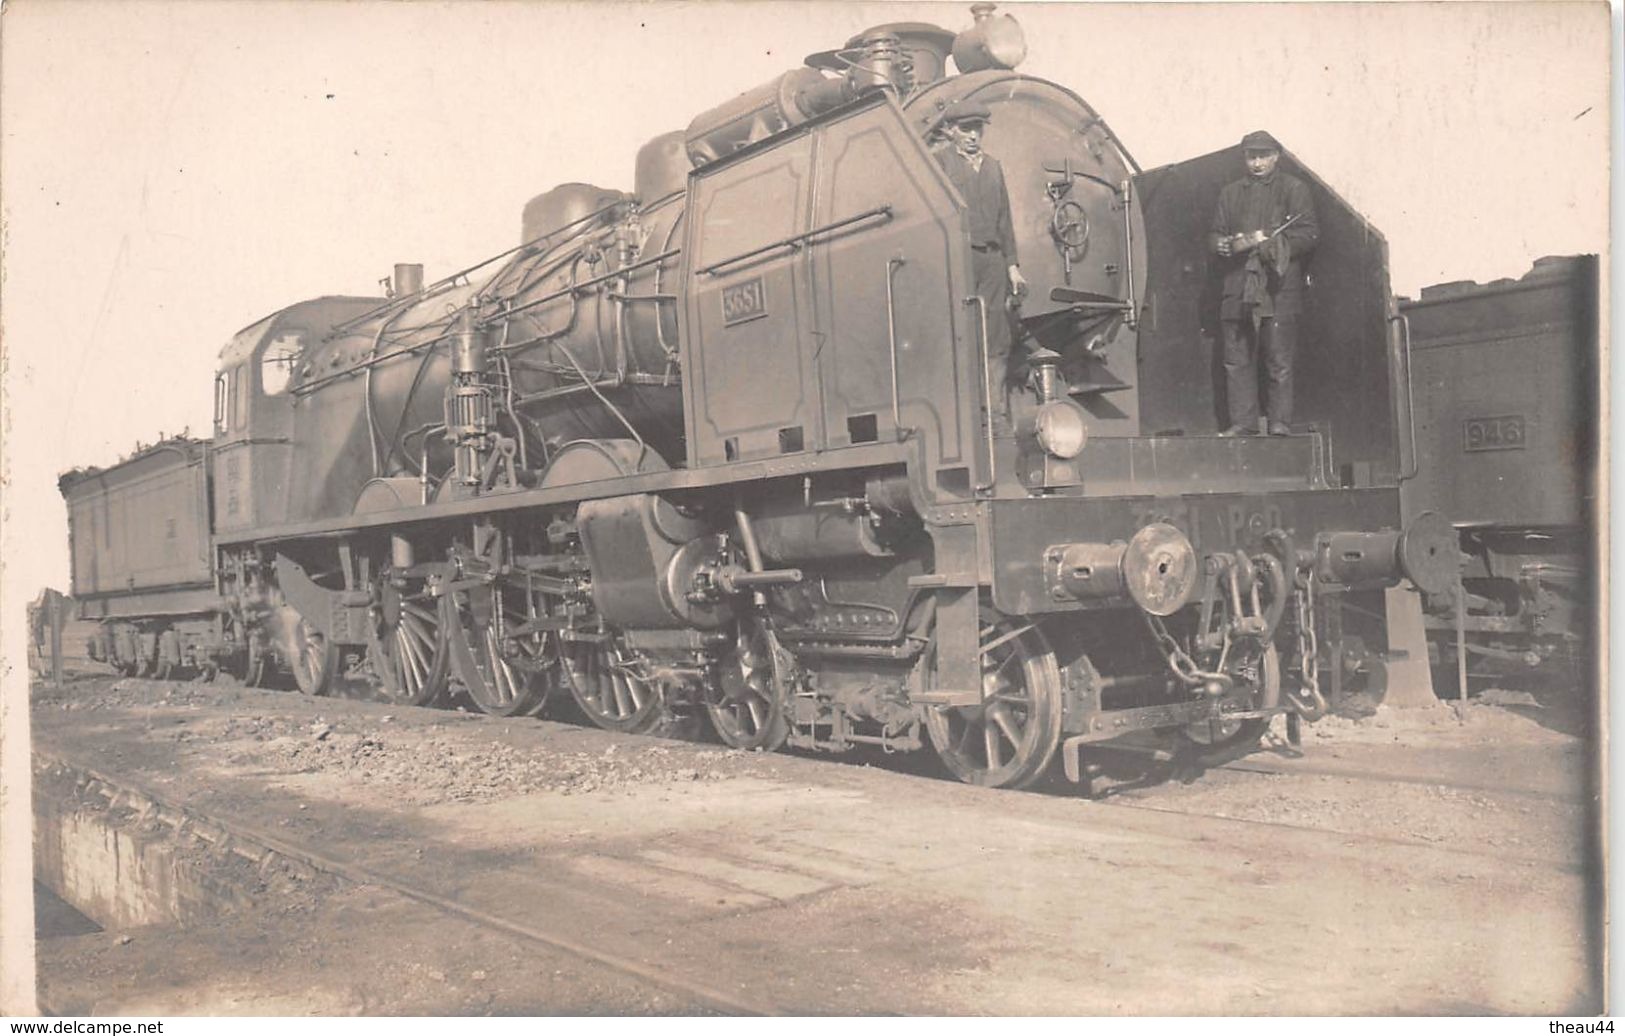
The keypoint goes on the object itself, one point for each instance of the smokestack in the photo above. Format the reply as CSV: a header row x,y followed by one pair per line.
x,y
408,279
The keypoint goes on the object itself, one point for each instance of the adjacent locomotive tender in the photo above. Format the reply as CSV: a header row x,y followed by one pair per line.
x,y
1505,382
722,447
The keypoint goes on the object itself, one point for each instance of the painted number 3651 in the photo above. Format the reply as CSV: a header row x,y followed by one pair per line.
x,y
744,301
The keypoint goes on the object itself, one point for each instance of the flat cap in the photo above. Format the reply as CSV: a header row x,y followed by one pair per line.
x,y
966,109
1258,140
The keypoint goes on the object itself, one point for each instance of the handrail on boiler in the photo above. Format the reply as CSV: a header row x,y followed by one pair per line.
x,y
795,241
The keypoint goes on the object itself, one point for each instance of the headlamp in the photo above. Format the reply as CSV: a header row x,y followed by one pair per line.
x,y
1061,428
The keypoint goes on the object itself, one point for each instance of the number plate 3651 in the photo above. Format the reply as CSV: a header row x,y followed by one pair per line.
x,y
744,301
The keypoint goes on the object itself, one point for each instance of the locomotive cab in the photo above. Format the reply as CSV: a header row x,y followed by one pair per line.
x,y
1346,392
255,454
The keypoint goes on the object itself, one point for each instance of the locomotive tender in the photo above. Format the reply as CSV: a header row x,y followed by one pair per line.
x,y
1505,379
722,446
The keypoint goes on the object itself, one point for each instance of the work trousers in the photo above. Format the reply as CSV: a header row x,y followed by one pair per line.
x,y
1275,340
992,273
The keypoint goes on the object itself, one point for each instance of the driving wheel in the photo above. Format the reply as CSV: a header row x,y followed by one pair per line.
x,y
607,686
408,654
500,656
1007,739
750,695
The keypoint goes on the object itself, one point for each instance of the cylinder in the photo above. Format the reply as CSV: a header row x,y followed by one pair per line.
x,y
1357,558
813,536
1088,571
408,279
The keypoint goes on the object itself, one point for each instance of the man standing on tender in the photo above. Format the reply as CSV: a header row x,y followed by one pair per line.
x,y
1264,228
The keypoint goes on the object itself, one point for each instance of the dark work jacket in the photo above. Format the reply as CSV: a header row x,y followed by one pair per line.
x,y
985,195
1251,204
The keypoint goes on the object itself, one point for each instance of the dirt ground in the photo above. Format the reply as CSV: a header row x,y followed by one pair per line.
x,y
1410,862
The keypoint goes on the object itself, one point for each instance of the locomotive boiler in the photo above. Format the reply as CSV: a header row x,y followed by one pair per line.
x,y
725,447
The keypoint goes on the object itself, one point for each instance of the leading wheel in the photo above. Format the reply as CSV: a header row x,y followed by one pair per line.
x,y
408,653
1256,676
315,660
254,663
748,702
248,663
608,687
506,668
1007,739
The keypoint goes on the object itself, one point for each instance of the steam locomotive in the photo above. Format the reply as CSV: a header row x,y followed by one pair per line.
x,y
726,446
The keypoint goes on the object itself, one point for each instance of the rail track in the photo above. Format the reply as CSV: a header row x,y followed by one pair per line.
x,y
1499,855
1197,819
268,851
1378,777
1259,763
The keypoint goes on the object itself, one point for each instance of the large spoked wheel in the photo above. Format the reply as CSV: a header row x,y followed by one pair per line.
x,y
1256,672
1008,738
750,697
408,653
315,661
606,687
506,670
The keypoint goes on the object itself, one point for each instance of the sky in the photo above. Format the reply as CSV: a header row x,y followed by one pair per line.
x,y
171,172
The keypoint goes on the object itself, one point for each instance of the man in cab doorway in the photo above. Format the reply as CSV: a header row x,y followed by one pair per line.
x,y
980,181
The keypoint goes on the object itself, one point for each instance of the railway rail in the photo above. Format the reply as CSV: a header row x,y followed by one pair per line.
x,y
1298,768
678,887
1142,803
267,851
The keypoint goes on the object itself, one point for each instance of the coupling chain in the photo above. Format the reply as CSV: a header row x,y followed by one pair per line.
x,y
1308,647
1179,660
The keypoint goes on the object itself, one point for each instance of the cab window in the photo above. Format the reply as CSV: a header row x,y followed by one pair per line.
x,y
276,365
